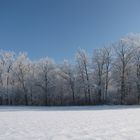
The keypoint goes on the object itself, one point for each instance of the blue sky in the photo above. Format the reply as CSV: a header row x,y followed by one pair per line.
x,y
56,28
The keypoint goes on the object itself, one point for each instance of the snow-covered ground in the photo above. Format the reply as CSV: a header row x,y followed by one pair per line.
x,y
70,123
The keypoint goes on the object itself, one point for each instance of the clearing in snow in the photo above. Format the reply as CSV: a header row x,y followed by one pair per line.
x,y
70,123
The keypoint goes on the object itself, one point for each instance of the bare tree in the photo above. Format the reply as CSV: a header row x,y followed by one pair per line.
x,y
7,59
83,69
108,60
99,60
45,71
21,71
137,70
67,73
124,55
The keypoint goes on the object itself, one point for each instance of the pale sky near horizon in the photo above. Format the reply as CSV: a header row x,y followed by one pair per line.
x,y
56,28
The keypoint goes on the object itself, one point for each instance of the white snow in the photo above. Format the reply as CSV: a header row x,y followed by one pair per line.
x,y
70,123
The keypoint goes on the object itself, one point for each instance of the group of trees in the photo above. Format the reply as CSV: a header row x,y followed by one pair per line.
x,y
110,76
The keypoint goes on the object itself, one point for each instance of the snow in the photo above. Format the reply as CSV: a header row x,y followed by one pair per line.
x,y
70,123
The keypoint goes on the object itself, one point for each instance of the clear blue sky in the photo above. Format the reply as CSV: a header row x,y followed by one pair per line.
x,y
56,28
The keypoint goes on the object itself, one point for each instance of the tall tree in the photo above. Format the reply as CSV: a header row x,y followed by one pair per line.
x,y
67,73
84,70
45,75
21,72
124,55
99,60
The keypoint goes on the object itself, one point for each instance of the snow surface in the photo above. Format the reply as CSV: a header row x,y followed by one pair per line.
x,y
70,123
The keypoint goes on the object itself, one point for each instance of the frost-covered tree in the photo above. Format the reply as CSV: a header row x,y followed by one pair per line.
x,y
83,67
137,72
122,65
21,72
101,65
45,72
112,75
6,60
68,74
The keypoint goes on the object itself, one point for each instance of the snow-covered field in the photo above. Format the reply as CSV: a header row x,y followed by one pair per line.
x,y
70,123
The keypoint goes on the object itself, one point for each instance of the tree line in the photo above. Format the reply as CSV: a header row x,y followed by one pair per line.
x,y
110,76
